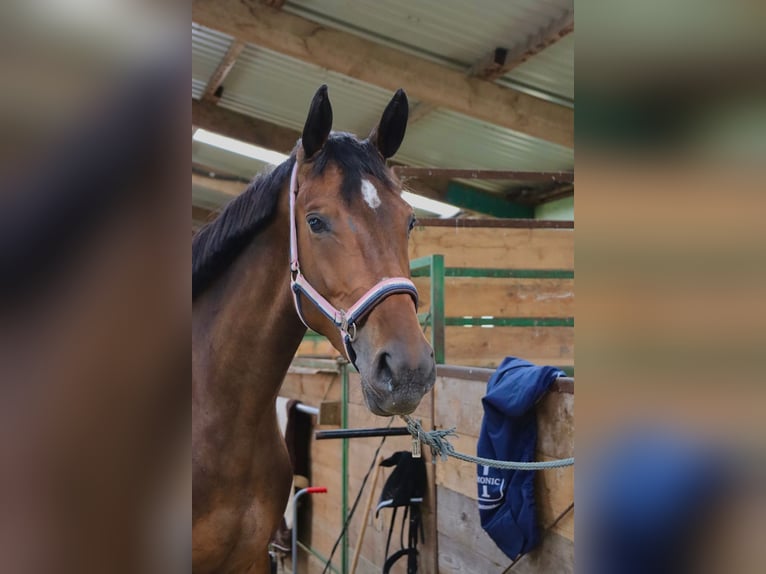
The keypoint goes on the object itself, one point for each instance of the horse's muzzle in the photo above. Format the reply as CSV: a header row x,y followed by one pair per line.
x,y
397,381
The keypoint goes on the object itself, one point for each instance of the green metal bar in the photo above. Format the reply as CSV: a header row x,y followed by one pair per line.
x,y
494,204
425,318
509,273
420,271
421,263
317,555
313,335
437,307
510,321
344,466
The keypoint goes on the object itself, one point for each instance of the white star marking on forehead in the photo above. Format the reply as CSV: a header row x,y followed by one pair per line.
x,y
370,194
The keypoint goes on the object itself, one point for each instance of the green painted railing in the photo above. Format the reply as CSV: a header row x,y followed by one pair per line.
x,y
432,266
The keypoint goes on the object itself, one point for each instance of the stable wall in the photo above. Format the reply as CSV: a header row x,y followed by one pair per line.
x,y
455,542
503,244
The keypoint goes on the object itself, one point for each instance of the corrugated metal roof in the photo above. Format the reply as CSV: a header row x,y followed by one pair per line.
x,y
278,88
552,70
448,139
451,32
208,48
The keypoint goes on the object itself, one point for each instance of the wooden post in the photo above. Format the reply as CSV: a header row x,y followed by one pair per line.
x,y
368,506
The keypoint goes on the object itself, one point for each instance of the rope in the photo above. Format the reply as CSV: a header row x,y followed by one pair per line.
x,y
440,446
328,564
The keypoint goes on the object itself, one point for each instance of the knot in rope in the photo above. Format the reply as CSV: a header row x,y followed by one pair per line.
x,y
436,439
440,446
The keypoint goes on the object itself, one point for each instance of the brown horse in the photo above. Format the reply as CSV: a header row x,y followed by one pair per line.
x,y
321,240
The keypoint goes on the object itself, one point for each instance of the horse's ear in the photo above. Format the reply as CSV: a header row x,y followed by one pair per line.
x,y
389,133
318,123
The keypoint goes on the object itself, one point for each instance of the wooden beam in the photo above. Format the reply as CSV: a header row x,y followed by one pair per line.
x,y
271,136
535,195
230,188
494,223
242,127
428,172
428,182
387,67
211,93
418,112
484,69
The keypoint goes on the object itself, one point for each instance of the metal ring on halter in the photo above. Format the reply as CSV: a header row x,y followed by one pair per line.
x,y
351,338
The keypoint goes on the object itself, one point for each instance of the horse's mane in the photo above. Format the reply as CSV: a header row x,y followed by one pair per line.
x,y
217,244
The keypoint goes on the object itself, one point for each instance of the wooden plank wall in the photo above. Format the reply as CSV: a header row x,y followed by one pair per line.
x,y
455,542
463,546
500,247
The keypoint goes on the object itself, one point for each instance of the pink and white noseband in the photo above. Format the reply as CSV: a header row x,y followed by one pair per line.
x,y
344,320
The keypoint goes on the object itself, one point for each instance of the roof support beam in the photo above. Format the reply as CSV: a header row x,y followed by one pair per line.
x,y
242,127
433,183
214,87
226,187
482,70
271,136
451,173
386,67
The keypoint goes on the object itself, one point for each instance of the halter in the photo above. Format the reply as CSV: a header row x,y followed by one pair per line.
x,y
344,320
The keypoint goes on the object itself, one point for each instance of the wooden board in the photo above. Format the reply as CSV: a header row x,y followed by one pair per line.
x,y
496,247
476,297
316,348
464,547
479,346
457,403
554,487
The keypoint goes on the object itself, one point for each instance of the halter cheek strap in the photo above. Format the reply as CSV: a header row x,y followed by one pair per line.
x,y
344,320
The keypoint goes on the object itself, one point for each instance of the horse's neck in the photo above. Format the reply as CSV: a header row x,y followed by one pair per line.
x,y
245,330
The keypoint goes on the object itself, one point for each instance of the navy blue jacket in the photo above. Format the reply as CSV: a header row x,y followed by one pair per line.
x,y
509,432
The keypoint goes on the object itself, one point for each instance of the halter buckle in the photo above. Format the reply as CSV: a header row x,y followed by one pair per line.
x,y
346,327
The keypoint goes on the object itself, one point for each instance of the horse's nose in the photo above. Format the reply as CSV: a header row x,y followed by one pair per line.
x,y
406,368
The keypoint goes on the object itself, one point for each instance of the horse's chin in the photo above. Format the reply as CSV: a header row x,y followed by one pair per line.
x,y
388,406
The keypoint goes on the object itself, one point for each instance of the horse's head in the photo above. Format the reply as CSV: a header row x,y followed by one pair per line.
x,y
352,228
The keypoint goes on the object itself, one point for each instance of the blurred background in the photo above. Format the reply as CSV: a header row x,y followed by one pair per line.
x,y
671,140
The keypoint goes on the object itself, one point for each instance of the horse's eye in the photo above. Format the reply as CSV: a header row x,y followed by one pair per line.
x,y
316,224
413,223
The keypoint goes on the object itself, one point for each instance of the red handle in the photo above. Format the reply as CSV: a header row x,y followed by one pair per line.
x,y
316,490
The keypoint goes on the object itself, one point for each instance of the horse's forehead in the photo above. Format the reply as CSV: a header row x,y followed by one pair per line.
x,y
331,181
370,194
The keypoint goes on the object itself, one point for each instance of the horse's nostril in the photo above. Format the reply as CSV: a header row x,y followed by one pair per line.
x,y
384,372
